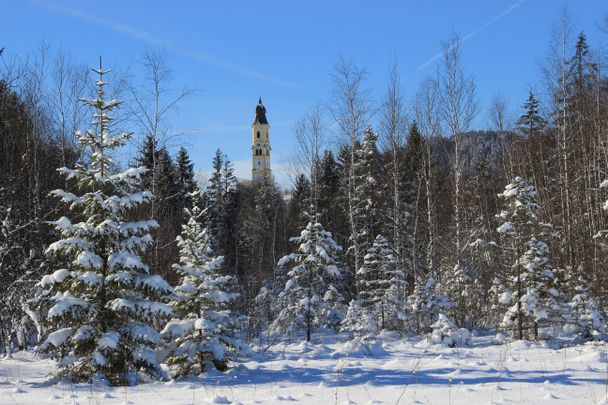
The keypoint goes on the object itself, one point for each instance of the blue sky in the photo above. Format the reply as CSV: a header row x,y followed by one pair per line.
x,y
233,51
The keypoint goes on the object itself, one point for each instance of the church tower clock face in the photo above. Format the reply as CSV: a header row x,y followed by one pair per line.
x,y
260,145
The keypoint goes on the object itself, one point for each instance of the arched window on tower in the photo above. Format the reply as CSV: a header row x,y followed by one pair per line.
x,y
258,134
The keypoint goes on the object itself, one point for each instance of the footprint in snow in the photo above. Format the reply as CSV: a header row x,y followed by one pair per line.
x,y
498,387
281,398
220,400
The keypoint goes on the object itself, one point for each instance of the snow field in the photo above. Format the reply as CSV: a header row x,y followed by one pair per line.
x,y
332,371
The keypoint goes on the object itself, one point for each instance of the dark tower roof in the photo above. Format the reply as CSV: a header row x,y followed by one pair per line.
x,y
260,113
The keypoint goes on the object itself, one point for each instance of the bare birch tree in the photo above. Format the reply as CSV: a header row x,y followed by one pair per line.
x,y
350,108
310,135
427,118
458,108
393,127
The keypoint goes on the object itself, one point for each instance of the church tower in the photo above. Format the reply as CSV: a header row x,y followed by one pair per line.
x,y
260,145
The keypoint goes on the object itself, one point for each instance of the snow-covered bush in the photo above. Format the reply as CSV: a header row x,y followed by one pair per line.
x,y
359,322
588,321
425,304
103,310
205,332
445,332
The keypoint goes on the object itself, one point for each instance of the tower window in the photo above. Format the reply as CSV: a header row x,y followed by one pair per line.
x,y
267,153
258,134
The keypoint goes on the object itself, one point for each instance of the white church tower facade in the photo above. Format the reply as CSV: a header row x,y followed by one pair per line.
x,y
260,145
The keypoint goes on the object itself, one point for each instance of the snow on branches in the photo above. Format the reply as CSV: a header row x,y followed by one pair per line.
x,y
104,308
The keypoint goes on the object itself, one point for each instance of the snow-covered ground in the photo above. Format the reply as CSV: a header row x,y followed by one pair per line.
x,y
331,371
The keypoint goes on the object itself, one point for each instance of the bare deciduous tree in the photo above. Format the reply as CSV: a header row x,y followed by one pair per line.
x,y
350,108
427,117
458,108
393,126
310,135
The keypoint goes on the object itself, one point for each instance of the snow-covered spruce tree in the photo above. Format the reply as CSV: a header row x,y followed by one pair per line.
x,y
359,321
381,285
185,172
445,332
19,272
105,307
425,304
11,267
585,316
368,192
462,288
309,299
205,331
533,297
221,197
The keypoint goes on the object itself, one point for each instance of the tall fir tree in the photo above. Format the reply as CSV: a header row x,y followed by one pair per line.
x,y
329,184
184,173
205,332
221,200
166,208
530,123
310,298
104,308
369,191
298,209
532,295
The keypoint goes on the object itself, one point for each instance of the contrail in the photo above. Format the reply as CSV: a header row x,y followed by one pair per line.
x,y
147,37
470,35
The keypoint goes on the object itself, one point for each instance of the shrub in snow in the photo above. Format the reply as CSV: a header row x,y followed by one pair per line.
x,y
425,304
365,346
104,308
445,332
461,286
17,272
588,321
359,321
309,298
381,287
204,334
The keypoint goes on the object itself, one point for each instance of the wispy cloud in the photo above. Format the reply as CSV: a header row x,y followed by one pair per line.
x,y
152,39
473,34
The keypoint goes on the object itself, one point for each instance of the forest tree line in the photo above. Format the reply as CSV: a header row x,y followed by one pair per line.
x,y
423,215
